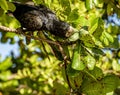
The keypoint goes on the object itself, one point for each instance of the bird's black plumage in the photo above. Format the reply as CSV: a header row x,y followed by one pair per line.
x,y
40,18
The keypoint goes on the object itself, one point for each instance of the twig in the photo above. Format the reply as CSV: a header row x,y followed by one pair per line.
x,y
6,29
65,66
112,72
19,31
88,51
41,39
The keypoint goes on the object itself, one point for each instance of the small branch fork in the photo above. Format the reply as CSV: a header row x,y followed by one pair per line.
x,y
20,31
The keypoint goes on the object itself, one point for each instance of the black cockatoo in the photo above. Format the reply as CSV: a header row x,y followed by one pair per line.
x,y
40,18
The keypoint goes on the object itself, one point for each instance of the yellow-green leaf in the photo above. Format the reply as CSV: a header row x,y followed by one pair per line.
x,y
77,63
4,5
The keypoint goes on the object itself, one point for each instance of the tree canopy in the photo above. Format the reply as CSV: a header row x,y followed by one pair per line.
x,y
86,63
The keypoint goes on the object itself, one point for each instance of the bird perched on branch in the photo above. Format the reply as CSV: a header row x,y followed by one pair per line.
x,y
40,18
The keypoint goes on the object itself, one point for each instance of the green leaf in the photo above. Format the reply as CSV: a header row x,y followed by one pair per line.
x,y
89,4
82,21
76,81
4,5
5,64
90,62
10,35
101,87
115,44
77,63
104,39
1,12
87,38
60,89
9,21
72,72
66,5
74,36
97,73
110,93
75,77
99,29
109,37
106,42
110,83
91,88
11,6
97,2
98,51
109,7
73,15
10,83
94,24
115,65
5,75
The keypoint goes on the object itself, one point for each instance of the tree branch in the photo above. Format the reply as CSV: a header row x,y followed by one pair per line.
x,y
6,29
19,31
